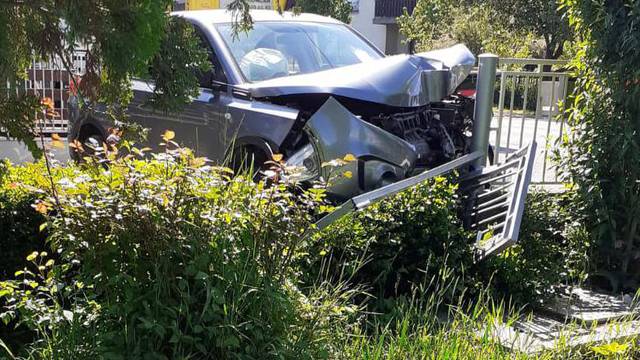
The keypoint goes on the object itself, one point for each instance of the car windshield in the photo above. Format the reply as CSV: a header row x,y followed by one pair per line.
x,y
277,49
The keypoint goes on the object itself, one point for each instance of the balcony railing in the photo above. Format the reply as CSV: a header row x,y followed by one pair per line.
x,y
388,10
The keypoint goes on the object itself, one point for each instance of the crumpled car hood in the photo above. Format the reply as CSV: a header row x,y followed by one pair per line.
x,y
400,81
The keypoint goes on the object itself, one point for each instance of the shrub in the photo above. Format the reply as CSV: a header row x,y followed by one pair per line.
x,y
20,223
398,243
167,257
20,229
601,154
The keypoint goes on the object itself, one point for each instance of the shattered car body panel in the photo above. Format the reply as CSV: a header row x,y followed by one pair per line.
x,y
382,156
395,114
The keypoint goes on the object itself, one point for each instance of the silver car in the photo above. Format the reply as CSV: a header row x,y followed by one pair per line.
x,y
312,89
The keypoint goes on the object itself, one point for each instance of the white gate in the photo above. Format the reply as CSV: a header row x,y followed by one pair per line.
x,y
527,109
51,79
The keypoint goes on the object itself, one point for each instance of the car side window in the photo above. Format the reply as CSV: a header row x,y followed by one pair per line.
x,y
216,73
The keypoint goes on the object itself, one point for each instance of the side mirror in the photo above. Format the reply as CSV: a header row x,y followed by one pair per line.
x,y
217,86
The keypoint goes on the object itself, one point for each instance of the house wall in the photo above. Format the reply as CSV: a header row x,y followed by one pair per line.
x,y
395,41
362,21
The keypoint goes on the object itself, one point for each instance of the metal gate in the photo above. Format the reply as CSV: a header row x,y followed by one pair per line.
x,y
50,79
527,108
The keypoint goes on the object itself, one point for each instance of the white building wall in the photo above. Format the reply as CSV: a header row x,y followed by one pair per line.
x,y
362,21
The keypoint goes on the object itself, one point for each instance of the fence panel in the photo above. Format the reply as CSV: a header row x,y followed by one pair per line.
x,y
51,79
529,91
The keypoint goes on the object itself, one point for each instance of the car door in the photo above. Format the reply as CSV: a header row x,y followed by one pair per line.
x,y
195,126
211,132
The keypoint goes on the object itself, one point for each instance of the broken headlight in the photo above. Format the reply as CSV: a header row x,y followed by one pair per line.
x,y
305,163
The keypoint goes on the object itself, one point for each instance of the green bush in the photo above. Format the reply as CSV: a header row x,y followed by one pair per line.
x,y
20,223
20,229
166,257
398,243
601,154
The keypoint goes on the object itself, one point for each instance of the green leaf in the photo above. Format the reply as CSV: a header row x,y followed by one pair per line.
x,y
32,256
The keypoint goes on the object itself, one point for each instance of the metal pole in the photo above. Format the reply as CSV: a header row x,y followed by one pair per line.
x,y
487,64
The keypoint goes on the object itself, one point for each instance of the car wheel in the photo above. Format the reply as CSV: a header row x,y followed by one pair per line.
x,y
249,159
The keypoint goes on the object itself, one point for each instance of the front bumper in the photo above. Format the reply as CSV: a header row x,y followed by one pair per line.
x,y
382,157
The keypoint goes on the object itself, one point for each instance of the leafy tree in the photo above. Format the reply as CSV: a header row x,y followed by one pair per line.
x,y
124,37
601,154
427,23
505,27
540,17
441,23
337,9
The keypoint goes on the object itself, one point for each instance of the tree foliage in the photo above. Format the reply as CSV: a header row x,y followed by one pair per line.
x,y
123,39
541,17
441,23
507,28
601,154
337,9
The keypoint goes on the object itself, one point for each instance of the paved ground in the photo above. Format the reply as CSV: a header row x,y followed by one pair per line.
x,y
522,131
17,153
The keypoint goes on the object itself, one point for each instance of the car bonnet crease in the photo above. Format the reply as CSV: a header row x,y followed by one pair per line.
x,y
399,81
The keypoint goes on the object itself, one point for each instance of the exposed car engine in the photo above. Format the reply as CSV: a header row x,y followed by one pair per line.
x,y
439,132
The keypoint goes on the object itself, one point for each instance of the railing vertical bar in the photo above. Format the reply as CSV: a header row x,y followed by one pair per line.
x,y
33,83
63,126
514,83
538,106
524,110
48,122
44,93
549,120
500,114
565,84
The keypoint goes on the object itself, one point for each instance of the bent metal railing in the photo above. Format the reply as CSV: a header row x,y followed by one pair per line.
x,y
492,203
529,94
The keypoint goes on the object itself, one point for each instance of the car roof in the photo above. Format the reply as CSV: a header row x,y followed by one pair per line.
x,y
224,16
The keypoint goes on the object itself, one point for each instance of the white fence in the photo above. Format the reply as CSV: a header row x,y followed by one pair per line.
x,y
51,79
527,109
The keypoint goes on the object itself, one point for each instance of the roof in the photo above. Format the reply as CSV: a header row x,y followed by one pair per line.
x,y
224,16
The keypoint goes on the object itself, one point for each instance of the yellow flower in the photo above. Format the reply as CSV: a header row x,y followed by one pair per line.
x,y
168,135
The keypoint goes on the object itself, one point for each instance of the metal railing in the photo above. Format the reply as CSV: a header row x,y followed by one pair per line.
x,y
51,79
529,91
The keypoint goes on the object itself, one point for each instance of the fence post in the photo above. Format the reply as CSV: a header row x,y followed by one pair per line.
x,y
485,86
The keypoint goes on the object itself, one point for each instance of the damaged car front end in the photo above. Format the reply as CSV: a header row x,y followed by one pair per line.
x,y
396,116
314,90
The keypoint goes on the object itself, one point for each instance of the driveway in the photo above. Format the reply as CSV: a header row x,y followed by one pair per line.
x,y
523,130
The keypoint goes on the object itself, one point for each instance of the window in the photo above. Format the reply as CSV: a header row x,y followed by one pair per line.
x,y
355,5
277,49
216,74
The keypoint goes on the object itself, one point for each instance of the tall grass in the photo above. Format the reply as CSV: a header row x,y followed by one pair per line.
x,y
423,327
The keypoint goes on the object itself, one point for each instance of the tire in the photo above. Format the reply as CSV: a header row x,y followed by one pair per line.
x,y
247,159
